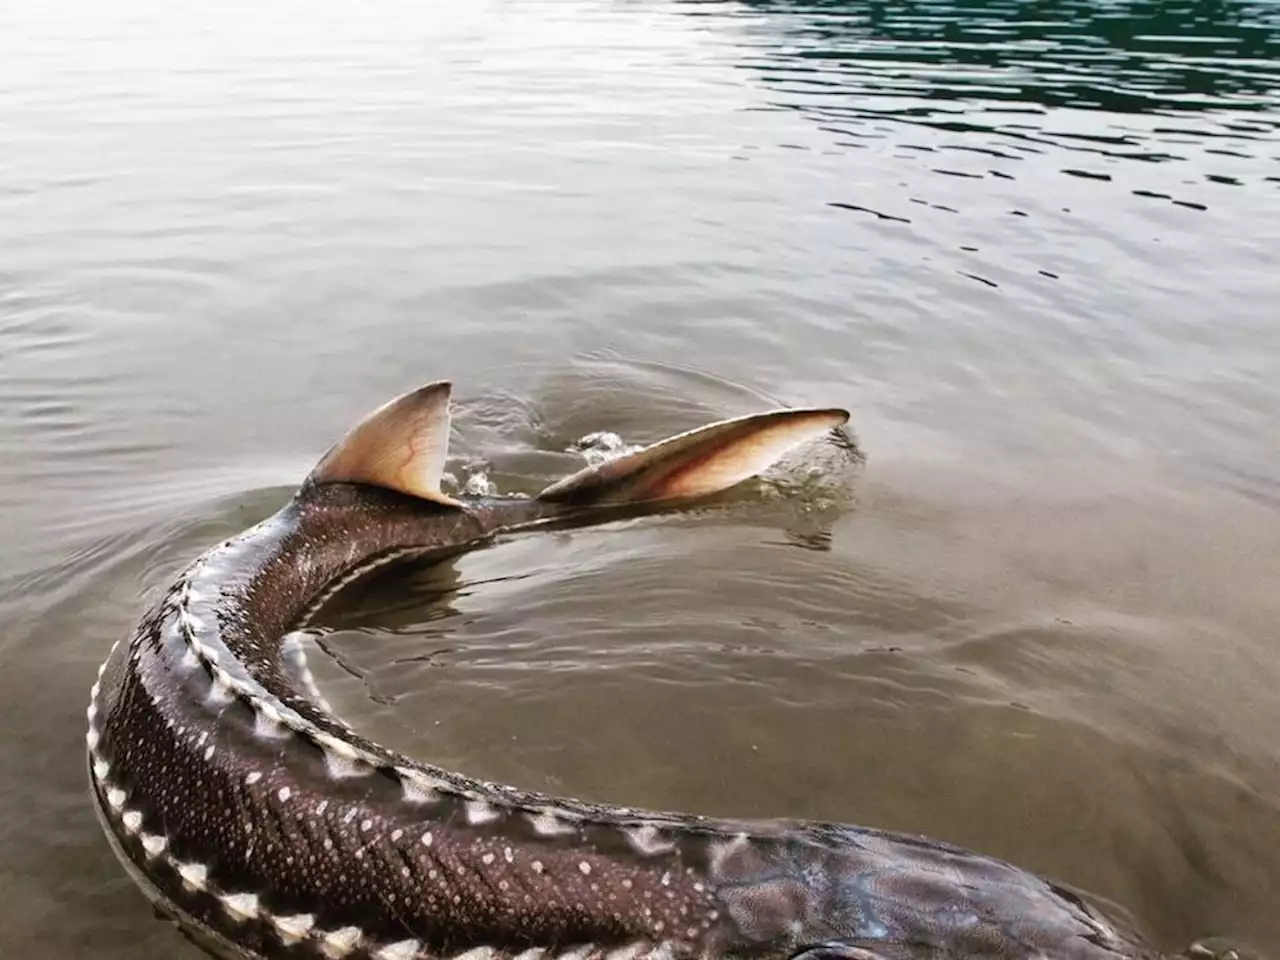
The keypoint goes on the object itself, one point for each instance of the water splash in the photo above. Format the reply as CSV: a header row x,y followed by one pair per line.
x,y
602,446
475,481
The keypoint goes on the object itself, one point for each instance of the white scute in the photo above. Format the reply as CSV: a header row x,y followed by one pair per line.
x,y
647,839
339,943
344,764
401,950
240,906
417,787
331,744
294,927
480,811
547,823
194,875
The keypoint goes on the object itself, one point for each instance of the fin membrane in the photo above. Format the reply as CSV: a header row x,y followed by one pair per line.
x,y
400,446
696,463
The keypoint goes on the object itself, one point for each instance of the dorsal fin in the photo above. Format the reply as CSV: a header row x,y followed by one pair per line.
x,y
400,446
696,463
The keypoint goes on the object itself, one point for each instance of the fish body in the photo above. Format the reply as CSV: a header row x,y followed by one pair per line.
x,y
270,829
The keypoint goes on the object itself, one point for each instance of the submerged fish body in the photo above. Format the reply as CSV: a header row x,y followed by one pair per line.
x,y
269,828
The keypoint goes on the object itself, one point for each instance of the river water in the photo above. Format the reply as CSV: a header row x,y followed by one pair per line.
x,y
1031,246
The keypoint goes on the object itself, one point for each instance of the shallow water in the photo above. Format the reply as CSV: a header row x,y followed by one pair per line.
x,y
1031,247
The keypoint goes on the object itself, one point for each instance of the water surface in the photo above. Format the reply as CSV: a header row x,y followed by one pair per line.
x,y
1030,246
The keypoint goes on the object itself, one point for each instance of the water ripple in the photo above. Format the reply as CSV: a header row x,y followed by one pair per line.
x,y
1029,245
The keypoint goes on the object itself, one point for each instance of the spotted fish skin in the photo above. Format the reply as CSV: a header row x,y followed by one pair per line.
x,y
270,829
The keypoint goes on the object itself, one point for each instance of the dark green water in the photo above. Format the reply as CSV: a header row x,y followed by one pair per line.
x,y
1032,247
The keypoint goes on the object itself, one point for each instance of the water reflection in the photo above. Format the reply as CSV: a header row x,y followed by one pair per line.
x,y
1169,75
1119,57
953,121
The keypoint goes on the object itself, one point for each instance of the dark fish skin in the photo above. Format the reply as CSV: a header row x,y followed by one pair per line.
x,y
270,829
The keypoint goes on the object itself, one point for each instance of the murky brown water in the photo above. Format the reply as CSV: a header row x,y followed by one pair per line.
x,y
1033,249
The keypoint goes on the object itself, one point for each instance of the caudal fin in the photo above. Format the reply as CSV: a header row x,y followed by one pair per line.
x,y
400,446
696,463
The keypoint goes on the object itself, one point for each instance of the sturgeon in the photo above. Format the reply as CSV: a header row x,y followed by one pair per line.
x,y
268,828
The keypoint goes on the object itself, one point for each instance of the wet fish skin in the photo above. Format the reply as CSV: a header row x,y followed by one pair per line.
x,y
271,829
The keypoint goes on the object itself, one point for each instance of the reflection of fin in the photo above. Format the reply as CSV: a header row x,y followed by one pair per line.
x,y
696,463
843,950
400,446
